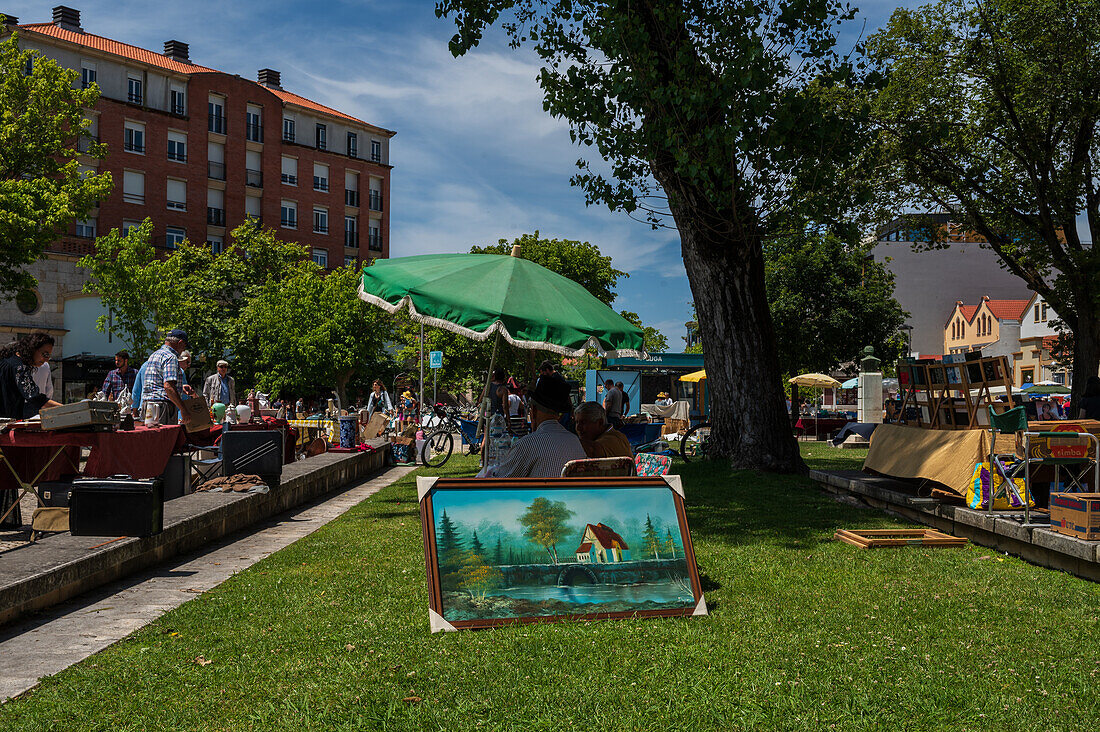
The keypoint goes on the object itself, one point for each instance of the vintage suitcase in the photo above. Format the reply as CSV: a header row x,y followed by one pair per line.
x,y
254,452
55,493
116,506
88,415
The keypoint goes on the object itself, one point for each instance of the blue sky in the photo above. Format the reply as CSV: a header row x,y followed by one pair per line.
x,y
475,157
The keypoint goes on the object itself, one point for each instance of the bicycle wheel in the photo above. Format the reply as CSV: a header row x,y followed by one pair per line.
x,y
437,449
693,444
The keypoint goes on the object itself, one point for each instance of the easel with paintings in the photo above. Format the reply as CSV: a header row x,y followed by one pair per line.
x,y
954,394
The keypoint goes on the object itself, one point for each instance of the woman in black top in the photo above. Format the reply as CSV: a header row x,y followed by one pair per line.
x,y
19,395
1089,408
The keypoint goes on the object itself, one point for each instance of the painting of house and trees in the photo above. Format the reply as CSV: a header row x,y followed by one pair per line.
x,y
536,551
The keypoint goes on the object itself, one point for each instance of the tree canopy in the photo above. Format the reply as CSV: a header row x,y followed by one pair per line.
x,y
43,134
989,111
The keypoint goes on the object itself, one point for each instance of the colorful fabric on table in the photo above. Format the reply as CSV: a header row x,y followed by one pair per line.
x,y
649,465
978,491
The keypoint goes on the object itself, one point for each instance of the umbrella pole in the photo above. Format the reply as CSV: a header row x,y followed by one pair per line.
x,y
482,418
420,416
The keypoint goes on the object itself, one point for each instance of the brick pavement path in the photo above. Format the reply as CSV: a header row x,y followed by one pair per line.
x,y
59,637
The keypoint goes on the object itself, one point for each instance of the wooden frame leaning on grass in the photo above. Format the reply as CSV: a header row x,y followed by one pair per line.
x,y
556,549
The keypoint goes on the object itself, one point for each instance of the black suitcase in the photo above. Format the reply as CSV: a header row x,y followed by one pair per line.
x,y
253,452
177,477
116,506
55,493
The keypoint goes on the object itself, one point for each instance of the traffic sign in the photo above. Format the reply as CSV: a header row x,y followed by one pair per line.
x,y
435,359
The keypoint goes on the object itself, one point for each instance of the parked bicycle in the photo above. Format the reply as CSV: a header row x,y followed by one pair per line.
x,y
440,442
693,445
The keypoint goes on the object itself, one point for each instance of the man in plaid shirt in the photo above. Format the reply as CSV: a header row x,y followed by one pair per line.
x,y
162,377
122,376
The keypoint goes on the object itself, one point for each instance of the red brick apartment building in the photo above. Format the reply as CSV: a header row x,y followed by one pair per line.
x,y
197,151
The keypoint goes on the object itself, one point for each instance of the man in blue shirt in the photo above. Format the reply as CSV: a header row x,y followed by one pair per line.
x,y
220,387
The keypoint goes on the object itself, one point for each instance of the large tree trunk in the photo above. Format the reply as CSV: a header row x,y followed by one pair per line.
x,y
748,408
1086,349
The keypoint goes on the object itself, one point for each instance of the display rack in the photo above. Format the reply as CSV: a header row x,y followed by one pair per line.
x,y
953,394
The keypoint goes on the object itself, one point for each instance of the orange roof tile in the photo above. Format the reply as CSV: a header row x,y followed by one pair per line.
x,y
1007,309
968,311
584,548
607,536
99,43
134,53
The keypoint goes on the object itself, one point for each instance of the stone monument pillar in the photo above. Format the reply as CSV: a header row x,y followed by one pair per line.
x,y
870,388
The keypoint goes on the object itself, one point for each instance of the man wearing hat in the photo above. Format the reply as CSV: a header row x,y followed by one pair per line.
x,y
664,400
544,452
161,384
220,387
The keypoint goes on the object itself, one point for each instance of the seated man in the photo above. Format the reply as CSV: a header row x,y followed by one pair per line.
x,y
544,452
598,438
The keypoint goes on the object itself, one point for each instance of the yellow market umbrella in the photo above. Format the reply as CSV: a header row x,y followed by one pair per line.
x,y
816,381
695,377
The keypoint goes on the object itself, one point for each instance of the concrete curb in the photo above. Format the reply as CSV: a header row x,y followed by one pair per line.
x,y
62,566
1036,544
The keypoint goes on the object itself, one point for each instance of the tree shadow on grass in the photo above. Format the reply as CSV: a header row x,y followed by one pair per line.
x,y
747,507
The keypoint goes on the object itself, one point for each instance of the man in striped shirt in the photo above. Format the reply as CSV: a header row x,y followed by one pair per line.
x,y
544,452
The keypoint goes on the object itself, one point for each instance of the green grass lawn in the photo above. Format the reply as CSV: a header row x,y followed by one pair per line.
x,y
804,633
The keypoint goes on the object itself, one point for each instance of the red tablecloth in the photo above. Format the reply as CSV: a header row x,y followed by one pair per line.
x,y
808,426
142,452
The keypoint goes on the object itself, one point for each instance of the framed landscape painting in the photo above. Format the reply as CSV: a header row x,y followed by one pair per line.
x,y
528,550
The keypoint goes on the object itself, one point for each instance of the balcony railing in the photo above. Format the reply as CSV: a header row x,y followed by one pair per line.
x,y
288,135
178,110
136,147
376,200
288,223
215,216
376,157
215,171
374,242
290,180
319,228
133,197
177,205
351,198
254,178
254,132
134,97
351,238
179,157
217,123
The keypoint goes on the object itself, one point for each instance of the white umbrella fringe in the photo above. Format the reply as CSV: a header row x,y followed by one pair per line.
x,y
498,327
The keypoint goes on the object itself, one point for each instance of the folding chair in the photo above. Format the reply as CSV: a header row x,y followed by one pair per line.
x,y
1015,421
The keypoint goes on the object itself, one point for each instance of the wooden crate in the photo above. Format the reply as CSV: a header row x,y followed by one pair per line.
x,y
881,538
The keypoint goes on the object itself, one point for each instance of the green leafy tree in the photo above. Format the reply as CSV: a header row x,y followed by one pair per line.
x,y
544,523
42,129
828,299
668,546
989,111
449,548
651,542
730,117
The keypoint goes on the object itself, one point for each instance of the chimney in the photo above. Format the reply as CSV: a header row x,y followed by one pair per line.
x,y
178,51
67,18
10,19
270,78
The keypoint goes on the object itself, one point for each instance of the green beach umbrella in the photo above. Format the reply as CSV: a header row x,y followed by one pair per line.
x,y
481,295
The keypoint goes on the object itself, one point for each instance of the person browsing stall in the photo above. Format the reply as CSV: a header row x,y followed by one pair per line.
x,y
379,399
612,403
20,397
162,384
220,386
598,438
120,377
544,452
625,397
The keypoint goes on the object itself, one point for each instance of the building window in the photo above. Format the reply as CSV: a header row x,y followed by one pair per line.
x,y
1027,376
351,188
320,221
28,67
1044,312
87,74
322,137
179,102
375,151
351,231
288,129
133,90
174,237
320,257
133,186
254,129
27,301
177,147
288,215
215,108
290,171
374,240
375,199
177,195
320,177
353,145
128,226
135,137
1036,313
216,244
86,229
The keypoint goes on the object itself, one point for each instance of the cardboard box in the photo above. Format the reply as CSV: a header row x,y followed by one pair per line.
x,y
1076,514
375,426
199,411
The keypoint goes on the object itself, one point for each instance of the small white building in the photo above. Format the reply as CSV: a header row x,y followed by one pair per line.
x,y
1036,359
